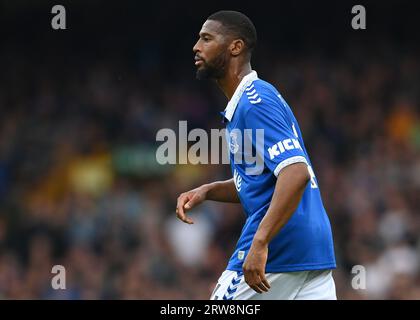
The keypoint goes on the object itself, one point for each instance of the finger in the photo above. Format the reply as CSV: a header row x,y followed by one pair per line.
x,y
256,288
186,219
265,281
183,217
180,211
251,278
262,287
190,204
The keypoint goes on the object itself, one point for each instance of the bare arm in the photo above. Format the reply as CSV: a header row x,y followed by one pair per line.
x,y
223,191
290,185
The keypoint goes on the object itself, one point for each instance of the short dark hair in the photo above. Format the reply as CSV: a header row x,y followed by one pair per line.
x,y
239,25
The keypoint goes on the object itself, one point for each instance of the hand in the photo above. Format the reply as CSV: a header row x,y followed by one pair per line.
x,y
254,267
188,200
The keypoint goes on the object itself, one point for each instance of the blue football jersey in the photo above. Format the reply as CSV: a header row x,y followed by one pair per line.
x,y
263,138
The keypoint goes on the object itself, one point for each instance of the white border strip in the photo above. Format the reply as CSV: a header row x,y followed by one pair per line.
x,y
288,162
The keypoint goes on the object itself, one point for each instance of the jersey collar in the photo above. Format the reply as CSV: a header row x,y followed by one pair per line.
x,y
245,82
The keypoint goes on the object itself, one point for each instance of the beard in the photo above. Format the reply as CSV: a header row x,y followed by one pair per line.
x,y
214,69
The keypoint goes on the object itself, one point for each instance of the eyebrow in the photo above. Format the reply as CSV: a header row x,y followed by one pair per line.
x,y
203,34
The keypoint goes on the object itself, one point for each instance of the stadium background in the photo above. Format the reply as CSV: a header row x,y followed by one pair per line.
x,y
80,108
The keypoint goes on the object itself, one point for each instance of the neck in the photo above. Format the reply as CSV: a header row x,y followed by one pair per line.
x,y
233,77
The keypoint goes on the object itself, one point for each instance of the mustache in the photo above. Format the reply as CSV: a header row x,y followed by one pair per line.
x,y
198,57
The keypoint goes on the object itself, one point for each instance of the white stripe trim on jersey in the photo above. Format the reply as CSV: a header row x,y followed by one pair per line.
x,y
245,82
288,162
250,87
255,101
253,97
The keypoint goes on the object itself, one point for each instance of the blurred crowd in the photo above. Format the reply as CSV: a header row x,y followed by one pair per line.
x,y
80,186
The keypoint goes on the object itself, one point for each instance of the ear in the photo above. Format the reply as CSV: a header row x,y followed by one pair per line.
x,y
236,47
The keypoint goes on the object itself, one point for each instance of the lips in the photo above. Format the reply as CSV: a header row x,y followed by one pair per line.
x,y
198,60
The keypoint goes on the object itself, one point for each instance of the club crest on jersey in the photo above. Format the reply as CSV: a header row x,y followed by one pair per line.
x,y
233,142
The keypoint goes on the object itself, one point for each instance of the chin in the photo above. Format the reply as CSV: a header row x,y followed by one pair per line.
x,y
202,74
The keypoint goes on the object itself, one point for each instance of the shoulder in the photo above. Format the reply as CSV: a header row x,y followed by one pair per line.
x,y
261,97
258,91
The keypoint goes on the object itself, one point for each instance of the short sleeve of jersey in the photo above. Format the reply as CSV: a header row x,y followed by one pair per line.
x,y
280,146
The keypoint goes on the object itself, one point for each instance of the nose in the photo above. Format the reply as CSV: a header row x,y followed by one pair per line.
x,y
196,47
